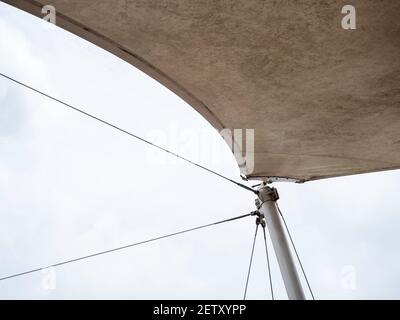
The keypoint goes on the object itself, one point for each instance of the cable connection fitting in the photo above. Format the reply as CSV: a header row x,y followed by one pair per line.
x,y
260,218
254,213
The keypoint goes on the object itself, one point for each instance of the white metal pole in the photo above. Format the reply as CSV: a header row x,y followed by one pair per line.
x,y
268,197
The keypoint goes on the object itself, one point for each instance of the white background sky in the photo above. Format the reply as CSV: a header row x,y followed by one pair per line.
x,y
70,186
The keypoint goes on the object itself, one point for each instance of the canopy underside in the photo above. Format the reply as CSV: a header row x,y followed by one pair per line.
x,y
323,101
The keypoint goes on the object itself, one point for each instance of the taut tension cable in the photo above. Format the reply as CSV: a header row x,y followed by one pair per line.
x,y
128,133
126,246
260,220
268,264
251,262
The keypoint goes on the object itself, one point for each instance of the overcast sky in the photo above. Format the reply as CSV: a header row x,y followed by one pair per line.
x,y
70,186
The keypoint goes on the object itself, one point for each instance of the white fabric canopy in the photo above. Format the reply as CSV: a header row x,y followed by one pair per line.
x,y
323,101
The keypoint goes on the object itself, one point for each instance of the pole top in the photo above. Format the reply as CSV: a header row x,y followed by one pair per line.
x,y
267,193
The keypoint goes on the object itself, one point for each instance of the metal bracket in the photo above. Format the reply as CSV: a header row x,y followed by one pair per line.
x,y
275,194
261,220
270,194
260,216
